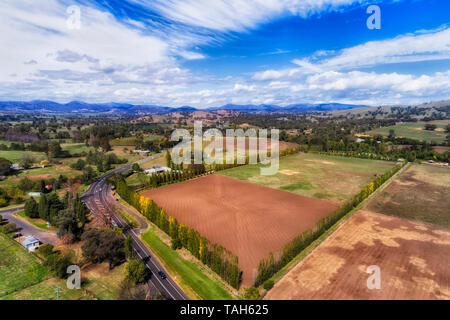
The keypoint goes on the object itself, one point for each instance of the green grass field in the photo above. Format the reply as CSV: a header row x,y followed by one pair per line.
x,y
76,148
16,156
46,290
415,130
18,268
420,193
315,175
186,272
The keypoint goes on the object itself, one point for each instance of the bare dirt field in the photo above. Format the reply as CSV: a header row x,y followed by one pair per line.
x,y
413,260
249,220
420,193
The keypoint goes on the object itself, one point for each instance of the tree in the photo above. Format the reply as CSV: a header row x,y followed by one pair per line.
x,y
251,293
128,247
31,208
25,184
103,245
168,159
5,166
136,167
27,160
54,149
43,208
391,134
136,272
430,127
44,163
9,227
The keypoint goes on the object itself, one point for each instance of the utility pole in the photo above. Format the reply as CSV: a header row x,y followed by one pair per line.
x,y
57,291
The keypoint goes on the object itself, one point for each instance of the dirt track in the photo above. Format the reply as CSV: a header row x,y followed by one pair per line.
x,y
414,260
249,220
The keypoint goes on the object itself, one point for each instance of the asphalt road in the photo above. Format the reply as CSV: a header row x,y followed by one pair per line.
x,y
99,201
26,228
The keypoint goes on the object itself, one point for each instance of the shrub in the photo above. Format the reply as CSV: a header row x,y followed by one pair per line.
x,y
251,293
45,250
268,284
9,227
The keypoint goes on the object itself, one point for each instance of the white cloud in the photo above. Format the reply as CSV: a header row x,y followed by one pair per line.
x,y
237,15
432,45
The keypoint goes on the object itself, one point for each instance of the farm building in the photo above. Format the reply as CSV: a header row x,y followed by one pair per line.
x,y
30,243
157,169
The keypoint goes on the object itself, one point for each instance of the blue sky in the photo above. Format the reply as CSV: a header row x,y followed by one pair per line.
x,y
208,53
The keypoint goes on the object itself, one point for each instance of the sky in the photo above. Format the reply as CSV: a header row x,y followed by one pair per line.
x,y
207,53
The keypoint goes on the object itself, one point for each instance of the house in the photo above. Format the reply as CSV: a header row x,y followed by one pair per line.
x,y
144,152
157,169
34,194
30,243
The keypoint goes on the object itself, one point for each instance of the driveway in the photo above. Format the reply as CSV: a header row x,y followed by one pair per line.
x,y
26,228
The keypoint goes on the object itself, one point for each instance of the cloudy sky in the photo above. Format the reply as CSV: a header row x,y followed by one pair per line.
x,y
211,52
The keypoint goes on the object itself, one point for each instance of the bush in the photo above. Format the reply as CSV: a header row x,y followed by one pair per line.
x,y
251,293
58,263
268,284
45,250
9,227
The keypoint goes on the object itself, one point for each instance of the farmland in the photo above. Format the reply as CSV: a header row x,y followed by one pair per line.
x,y
420,193
249,220
313,175
413,259
415,130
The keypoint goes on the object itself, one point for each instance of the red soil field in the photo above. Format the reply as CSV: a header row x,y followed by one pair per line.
x,y
249,220
413,258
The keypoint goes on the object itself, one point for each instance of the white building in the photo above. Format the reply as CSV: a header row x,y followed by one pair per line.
x,y
157,169
30,243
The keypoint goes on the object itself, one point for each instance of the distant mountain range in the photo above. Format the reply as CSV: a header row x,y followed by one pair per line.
x,y
74,107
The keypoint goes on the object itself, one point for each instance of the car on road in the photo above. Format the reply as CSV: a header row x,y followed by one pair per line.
x,y
162,275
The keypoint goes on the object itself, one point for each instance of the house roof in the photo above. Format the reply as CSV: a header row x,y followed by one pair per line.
x,y
29,240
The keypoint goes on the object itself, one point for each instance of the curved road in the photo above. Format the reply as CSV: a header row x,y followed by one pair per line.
x,y
99,201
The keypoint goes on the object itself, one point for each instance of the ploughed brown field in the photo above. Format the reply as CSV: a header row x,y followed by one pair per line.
x,y
249,220
414,260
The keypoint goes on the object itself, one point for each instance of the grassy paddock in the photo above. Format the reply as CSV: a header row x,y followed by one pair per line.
x,y
316,175
18,268
421,193
415,130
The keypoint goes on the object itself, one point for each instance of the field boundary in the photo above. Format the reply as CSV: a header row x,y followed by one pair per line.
x,y
310,248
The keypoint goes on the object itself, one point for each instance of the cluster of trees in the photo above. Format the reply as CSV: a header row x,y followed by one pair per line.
x,y
103,245
103,161
69,215
221,261
270,265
